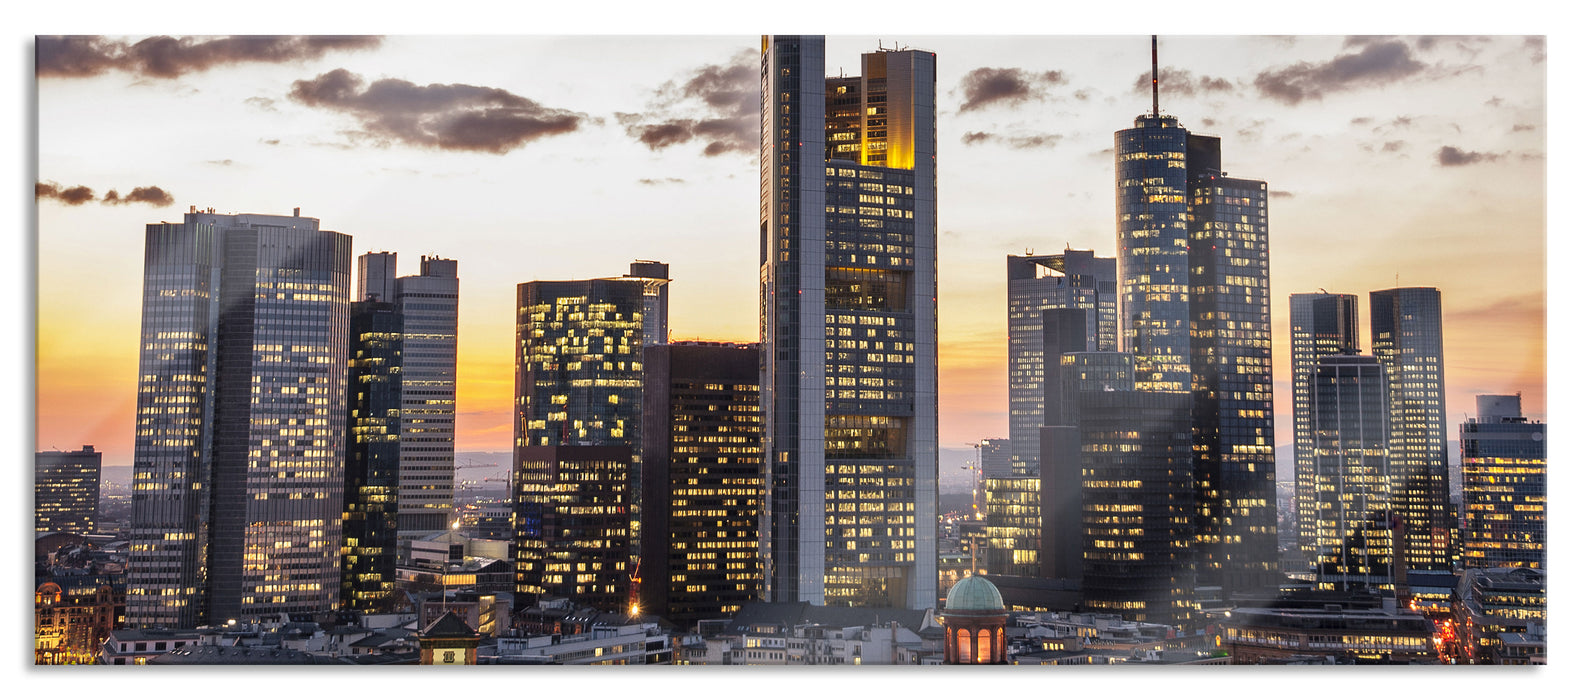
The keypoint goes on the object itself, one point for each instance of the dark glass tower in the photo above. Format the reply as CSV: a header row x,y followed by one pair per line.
x,y
1351,509
579,362
1322,324
1152,232
240,451
847,253
1504,466
702,471
572,518
66,490
373,457
1408,340
1074,279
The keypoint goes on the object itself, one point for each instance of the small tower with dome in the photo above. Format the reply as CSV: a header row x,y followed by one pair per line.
x,y
974,623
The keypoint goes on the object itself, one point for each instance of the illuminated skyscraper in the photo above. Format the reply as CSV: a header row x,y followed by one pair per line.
x,y
655,277
373,457
1322,324
241,420
579,362
1408,340
1504,469
572,516
428,306
1074,279
703,474
66,490
1151,247
847,251
1353,532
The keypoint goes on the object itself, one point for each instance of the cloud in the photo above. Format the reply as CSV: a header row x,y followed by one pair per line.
x,y
269,142
140,195
452,117
1281,194
171,57
1523,127
661,181
1536,48
1175,81
1380,62
70,196
1450,156
264,104
1392,146
984,87
716,104
227,162
1019,142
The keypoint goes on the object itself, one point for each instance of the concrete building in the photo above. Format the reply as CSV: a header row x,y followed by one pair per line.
x,y
66,490
240,449
847,237
1504,477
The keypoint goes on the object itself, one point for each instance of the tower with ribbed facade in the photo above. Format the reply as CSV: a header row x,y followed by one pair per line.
x,y
847,241
1322,324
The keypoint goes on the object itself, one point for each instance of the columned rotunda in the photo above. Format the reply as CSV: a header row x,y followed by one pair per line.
x,y
974,623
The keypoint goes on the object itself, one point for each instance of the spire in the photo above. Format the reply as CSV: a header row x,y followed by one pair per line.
x,y
1156,75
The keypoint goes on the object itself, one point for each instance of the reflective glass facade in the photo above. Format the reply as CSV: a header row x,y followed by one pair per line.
x,y
1352,484
573,520
373,457
66,490
1504,476
1151,247
1322,324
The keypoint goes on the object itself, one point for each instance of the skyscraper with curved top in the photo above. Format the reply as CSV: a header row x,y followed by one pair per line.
x,y
1151,250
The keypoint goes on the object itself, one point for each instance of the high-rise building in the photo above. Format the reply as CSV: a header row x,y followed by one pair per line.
x,y
1504,467
848,306
1408,340
1074,279
369,523
994,457
1351,505
655,277
703,477
66,490
1193,269
428,307
573,514
1013,531
1322,324
239,459
579,362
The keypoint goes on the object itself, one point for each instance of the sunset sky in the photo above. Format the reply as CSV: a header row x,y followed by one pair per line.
x,y
1391,161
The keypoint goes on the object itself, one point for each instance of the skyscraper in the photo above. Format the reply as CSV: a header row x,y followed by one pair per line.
x,y
427,304
572,516
1408,340
1504,469
655,277
66,490
847,250
240,449
1351,507
1322,324
1074,279
373,457
1151,251
703,474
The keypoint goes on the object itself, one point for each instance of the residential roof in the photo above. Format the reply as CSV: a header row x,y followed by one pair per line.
x,y
449,625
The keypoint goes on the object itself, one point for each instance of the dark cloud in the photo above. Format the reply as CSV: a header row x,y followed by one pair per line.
x,y
269,142
984,87
1361,121
661,181
1019,142
171,57
1536,48
452,117
140,195
227,162
70,196
1378,63
1392,146
1281,194
1365,40
716,104
1450,156
1523,127
1084,94
1175,81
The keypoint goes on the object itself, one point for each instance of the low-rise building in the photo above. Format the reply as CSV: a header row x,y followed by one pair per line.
x,y
1499,616
129,647
604,644
1363,635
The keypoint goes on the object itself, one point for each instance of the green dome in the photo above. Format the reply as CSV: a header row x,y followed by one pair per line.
x,y
974,593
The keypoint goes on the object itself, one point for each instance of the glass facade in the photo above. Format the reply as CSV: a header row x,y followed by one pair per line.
x,y
1504,467
1322,324
573,520
66,490
1012,526
1408,340
1354,537
373,457
1151,244
849,314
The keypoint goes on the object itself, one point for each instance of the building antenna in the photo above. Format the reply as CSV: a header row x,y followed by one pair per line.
x,y
1156,75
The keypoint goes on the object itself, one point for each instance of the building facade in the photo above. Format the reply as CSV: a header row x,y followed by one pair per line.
x,y
1408,339
369,522
573,524
66,490
1352,513
1504,468
1074,279
240,448
703,478
1322,324
848,307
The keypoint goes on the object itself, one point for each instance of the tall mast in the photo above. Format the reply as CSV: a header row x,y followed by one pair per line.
x,y
1156,75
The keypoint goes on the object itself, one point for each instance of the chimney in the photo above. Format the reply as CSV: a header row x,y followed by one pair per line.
x,y
296,211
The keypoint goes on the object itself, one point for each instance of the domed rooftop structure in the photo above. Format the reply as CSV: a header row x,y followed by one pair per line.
x,y
974,593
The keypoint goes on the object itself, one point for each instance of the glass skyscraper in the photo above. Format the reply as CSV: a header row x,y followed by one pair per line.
x,y
240,449
373,457
1151,226
847,239
66,490
1504,468
1351,508
1322,324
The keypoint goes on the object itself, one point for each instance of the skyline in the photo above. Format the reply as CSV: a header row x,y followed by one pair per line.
x,y
1039,112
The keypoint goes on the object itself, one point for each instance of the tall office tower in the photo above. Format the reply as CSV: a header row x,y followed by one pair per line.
x,y
241,419
1232,373
1348,408
427,304
579,378
1322,324
994,457
66,490
1136,499
1074,279
1504,468
1151,249
655,277
573,513
369,523
1408,340
1011,525
847,253
703,474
